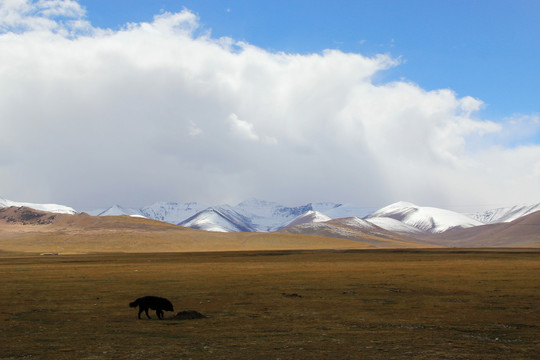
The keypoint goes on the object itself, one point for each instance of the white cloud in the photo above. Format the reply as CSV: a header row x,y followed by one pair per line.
x,y
42,15
55,8
159,111
242,128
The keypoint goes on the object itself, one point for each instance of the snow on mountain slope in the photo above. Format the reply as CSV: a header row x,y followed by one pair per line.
x,y
269,216
172,212
219,218
244,223
117,210
373,226
394,225
254,214
344,211
355,223
522,232
357,229
506,214
264,216
55,208
310,217
425,219
94,212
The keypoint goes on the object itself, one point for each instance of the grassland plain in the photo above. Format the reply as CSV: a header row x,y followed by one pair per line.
x,y
362,304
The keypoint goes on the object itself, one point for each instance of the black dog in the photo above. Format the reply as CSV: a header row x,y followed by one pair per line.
x,y
152,302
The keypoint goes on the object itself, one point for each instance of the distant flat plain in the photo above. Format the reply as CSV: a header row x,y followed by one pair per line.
x,y
355,304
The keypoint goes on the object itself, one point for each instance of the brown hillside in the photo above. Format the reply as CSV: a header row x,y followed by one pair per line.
x,y
522,232
345,228
24,215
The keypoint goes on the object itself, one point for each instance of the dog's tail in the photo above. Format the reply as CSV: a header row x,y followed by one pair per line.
x,y
134,304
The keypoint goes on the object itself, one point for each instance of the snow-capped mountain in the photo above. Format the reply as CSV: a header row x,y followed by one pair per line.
x,y
354,228
394,225
254,214
269,216
117,210
220,218
355,223
506,214
425,219
55,208
338,211
311,216
522,232
264,216
172,212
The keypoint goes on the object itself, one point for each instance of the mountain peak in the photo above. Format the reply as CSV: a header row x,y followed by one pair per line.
x,y
425,219
400,205
310,216
117,210
219,218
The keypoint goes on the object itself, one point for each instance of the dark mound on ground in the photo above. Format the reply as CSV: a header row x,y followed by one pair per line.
x,y
189,315
295,295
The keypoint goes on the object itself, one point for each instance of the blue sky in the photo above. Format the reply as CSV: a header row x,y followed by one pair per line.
x,y
488,49
362,102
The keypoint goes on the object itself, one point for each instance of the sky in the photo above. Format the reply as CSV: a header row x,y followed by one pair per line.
x,y
360,102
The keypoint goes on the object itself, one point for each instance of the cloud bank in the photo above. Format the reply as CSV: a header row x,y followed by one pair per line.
x,y
164,111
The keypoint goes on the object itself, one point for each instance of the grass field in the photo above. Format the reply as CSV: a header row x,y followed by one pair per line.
x,y
372,304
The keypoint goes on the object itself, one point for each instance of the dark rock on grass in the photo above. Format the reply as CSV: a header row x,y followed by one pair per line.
x,y
188,315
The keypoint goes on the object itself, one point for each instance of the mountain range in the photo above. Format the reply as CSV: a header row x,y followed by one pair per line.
x,y
23,229
252,215
401,220
264,216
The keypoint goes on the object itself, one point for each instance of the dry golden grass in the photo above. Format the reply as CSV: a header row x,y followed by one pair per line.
x,y
377,304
